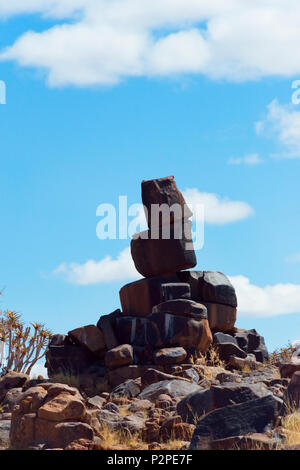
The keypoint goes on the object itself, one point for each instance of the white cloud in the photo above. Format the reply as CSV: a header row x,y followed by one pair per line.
x,y
109,40
96,272
252,159
282,123
217,210
265,301
294,258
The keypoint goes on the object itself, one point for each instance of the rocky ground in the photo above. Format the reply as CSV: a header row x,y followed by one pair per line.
x,y
252,406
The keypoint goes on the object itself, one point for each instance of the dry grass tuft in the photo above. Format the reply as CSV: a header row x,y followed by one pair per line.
x,y
291,426
281,354
120,439
211,358
173,444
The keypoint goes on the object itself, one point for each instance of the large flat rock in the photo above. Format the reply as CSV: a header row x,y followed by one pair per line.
x,y
173,388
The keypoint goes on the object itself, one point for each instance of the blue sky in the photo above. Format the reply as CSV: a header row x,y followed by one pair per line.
x,y
83,125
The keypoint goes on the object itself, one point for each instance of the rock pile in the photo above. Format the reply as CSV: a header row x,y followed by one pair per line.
x,y
168,318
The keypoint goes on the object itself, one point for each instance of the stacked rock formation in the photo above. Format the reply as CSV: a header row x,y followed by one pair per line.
x,y
168,318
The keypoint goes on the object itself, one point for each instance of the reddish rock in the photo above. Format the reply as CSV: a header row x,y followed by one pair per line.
x,y
163,256
32,399
167,428
22,431
151,432
62,407
183,431
120,356
56,389
72,431
163,191
85,444
166,403
46,432
90,337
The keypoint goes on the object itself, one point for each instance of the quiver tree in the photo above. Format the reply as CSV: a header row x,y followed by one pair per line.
x,y
25,345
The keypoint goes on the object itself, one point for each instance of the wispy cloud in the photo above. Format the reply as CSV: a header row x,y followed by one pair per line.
x,y
97,272
266,301
282,123
218,210
249,160
104,41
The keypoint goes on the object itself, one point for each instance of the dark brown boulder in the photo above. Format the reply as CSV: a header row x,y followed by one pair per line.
x,y
182,307
169,356
164,256
91,337
106,325
201,402
69,360
175,290
11,380
139,297
120,356
164,330
128,389
221,317
292,397
173,388
215,287
287,369
253,441
163,191
210,286
254,416
122,374
225,350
